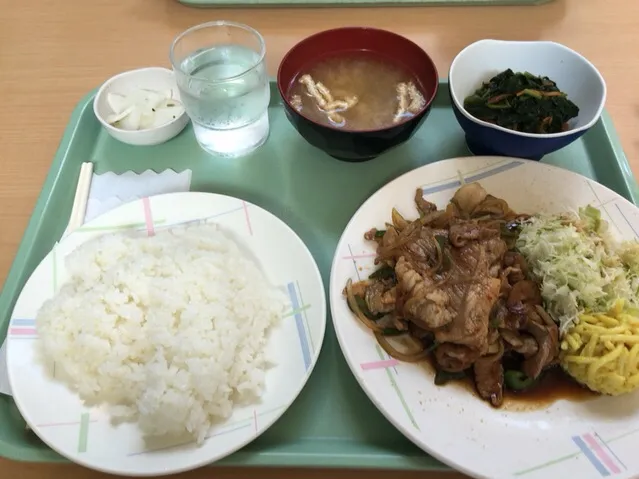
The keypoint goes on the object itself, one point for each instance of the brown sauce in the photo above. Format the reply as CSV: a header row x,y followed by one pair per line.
x,y
553,386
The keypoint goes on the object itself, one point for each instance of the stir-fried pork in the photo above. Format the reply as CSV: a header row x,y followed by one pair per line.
x,y
451,282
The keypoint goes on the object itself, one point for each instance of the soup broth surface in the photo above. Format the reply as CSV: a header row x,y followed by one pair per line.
x,y
364,90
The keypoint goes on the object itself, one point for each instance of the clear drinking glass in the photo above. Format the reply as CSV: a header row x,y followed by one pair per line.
x,y
221,74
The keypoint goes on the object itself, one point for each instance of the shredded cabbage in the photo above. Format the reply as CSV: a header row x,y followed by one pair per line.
x,y
578,264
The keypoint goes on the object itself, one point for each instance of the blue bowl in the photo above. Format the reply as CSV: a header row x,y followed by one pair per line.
x,y
573,73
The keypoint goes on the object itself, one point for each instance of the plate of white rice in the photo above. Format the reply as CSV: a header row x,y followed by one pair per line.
x,y
166,334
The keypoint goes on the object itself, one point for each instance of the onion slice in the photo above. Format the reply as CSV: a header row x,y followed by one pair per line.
x,y
142,109
352,303
410,357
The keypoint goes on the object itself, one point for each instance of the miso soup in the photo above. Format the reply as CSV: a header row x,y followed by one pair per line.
x,y
357,90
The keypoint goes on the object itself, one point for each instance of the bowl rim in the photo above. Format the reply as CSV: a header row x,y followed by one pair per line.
x,y
313,37
105,85
218,23
582,128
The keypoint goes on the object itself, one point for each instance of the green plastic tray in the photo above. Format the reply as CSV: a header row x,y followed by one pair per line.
x,y
354,3
332,424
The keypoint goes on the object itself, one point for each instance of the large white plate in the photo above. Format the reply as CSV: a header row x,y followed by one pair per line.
x,y
584,440
85,435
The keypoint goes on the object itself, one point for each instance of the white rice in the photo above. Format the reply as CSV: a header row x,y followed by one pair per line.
x,y
168,330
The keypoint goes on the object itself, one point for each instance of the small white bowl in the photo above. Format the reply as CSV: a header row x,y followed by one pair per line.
x,y
153,78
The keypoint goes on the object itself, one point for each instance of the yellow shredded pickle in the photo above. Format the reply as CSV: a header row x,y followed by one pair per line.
x,y
601,350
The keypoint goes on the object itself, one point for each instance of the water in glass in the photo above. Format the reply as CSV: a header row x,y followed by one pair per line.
x,y
226,93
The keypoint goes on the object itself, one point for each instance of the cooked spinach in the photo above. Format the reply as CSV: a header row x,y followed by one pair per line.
x,y
522,102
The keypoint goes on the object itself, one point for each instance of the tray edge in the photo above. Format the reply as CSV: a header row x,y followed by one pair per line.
x,y
627,175
8,450
360,3
248,458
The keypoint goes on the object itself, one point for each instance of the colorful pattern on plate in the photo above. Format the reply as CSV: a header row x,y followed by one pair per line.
x,y
85,435
448,422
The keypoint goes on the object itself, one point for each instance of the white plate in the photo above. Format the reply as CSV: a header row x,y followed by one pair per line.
x,y
584,440
85,435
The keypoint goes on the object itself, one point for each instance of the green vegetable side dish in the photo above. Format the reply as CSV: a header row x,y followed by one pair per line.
x,y
522,102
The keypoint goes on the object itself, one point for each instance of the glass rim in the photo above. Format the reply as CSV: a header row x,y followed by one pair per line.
x,y
218,23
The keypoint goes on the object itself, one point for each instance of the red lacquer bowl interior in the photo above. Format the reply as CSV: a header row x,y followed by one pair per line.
x,y
381,42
